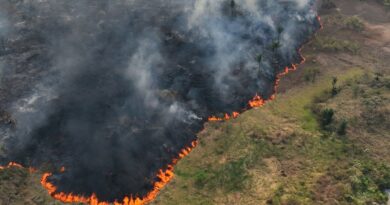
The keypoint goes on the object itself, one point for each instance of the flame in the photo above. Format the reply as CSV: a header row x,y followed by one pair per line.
x,y
164,176
11,165
256,101
225,117
17,165
214,118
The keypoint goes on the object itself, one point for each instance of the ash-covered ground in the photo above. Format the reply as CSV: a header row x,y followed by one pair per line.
x,y
113,90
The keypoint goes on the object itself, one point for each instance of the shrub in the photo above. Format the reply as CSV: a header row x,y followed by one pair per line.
x,y
354,23
326,117
310,74
342,128
332,44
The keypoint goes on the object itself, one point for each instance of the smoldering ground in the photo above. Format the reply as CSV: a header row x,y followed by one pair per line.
x,y
113,90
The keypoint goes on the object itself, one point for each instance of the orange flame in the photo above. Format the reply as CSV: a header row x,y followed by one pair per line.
x,y
226,117
214,118
17,165
256,101
164,177
11,165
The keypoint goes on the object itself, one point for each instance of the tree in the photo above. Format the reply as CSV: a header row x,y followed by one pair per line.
x,y
232,4
327,117
275,45
232,7
2,44
259,58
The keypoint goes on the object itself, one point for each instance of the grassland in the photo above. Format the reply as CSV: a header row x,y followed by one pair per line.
x,y
283,154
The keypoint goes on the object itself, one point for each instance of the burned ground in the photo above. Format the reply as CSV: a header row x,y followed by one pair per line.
x,y
113,91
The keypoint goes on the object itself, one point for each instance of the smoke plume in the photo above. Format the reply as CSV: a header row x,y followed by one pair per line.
x,y
113,90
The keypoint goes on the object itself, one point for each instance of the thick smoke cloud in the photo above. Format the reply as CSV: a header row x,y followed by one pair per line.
x,y
113,90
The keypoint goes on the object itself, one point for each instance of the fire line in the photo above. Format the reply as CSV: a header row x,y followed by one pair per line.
x,y
164,175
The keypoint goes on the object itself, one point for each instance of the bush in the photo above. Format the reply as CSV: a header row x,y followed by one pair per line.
x,y
332,44
354,23
342,129
310,74
326,117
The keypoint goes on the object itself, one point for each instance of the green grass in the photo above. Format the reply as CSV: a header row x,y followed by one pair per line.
x,y
296,103
331,44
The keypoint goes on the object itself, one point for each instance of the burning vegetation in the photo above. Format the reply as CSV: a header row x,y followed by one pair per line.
x,y
109,93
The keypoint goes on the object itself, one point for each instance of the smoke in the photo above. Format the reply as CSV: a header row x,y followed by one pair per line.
x,y
113,90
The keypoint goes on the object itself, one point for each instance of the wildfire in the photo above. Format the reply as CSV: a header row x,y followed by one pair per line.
x,y
164,177
257,101
16,165
214,118
235,114
11,165
225,117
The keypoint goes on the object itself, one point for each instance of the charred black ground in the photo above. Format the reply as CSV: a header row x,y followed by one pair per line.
x,y
113,90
